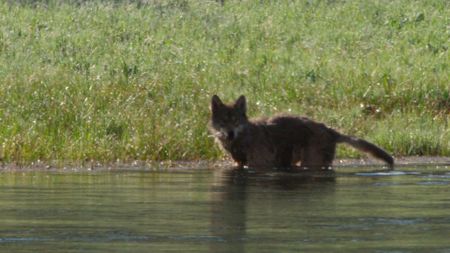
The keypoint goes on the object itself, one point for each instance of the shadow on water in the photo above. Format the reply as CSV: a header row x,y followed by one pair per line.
x,y
235,189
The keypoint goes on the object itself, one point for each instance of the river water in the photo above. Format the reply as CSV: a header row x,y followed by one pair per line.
x,y
226,210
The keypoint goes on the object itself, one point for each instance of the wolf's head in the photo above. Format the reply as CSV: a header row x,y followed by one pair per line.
x,y
228,120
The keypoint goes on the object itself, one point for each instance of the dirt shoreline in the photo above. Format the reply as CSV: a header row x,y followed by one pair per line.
x,y
203,164
399,161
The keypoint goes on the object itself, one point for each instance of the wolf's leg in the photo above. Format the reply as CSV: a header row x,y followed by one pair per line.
x,y
318,157
238,165
297,154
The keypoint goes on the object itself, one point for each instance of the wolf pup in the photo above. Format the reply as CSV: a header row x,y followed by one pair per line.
x,y
280,141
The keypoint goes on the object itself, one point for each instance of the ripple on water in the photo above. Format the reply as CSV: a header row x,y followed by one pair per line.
x,y
433,183
387,173
381,184
22,239
393,221
446,175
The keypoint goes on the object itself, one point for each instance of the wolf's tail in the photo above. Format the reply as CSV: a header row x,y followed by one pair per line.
x,y
367,147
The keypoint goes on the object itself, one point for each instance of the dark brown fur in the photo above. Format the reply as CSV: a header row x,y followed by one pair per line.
x,y
279,141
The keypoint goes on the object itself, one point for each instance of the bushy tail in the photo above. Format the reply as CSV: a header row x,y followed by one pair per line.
x,y
367,147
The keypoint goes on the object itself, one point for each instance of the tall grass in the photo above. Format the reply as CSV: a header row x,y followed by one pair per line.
x,y
110,80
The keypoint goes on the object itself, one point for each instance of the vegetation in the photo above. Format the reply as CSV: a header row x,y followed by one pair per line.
x,y
110,80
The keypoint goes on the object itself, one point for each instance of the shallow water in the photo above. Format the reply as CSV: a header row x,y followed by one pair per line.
x,y
224,210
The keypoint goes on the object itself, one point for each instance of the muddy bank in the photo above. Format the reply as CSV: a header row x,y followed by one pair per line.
x,y
186,165
399,161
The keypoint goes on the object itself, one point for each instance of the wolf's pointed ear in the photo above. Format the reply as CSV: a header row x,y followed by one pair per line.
x,y
215,103
241,104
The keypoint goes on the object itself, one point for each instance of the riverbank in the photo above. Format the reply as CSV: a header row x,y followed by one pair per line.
x,y
107,81
339,164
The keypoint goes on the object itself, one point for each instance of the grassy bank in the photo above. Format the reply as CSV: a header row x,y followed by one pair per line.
x,y
108,81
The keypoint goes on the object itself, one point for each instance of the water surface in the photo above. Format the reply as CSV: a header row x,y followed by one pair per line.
x,y
225,210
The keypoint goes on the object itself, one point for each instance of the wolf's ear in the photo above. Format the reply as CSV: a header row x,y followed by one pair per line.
x,y
215,103
241,104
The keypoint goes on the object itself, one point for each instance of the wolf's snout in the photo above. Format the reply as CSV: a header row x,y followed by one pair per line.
x,y
230,135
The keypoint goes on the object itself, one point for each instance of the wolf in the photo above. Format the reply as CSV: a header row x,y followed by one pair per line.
x,y
282,141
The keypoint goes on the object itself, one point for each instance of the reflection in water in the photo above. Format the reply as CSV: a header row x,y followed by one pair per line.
x,y
230,199
228,211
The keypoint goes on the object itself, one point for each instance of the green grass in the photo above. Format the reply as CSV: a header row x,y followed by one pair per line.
x,y
114,81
